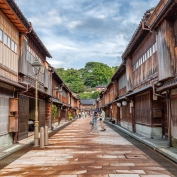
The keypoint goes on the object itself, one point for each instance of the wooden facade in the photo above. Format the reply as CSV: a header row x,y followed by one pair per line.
x,y
20,46
145,83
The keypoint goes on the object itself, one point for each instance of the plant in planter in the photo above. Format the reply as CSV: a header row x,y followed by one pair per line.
x,y
54,114
69,116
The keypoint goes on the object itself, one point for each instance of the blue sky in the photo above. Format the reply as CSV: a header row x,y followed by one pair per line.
x,y
79,31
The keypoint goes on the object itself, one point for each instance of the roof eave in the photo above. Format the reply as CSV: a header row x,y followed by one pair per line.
x,y
159,13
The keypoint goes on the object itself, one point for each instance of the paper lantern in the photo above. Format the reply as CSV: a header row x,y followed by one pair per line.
x,y
119,104
124,103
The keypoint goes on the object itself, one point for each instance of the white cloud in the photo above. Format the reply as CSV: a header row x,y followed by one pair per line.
x,y
61,47
73,24
79,31
48,20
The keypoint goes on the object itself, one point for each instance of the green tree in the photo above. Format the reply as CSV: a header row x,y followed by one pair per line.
x,y
93,74
77,86
97,73
95,94
84,95
54,111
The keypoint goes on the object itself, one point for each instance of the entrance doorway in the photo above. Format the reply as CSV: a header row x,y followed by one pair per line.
x,y
165,119
23,111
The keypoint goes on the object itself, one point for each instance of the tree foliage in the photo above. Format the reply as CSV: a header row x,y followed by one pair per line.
x,y
93,95
93,74
97,74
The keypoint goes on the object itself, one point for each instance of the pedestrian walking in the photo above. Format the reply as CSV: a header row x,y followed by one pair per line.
x,y
83,115
102,117
94,128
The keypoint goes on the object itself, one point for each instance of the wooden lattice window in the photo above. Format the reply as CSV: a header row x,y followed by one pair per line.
x,y
175,38
0,35
4,115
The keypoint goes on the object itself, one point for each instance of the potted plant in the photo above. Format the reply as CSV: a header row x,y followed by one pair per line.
x,y
54,115
69,116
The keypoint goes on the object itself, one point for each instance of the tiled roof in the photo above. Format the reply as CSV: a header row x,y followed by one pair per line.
x,y
100,86
87,101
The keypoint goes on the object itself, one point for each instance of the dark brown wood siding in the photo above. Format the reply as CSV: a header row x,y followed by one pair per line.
x,y
46,78
22,65
175,39
42,113
174,115
122,92
4,115
122,85
115,88
145,60
111,93
129,74
143,109
125,114
166,55
23,117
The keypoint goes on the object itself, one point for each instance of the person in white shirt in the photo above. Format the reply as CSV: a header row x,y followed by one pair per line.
x,y
83,114
102,117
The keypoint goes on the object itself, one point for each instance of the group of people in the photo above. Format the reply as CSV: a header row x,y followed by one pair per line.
x,y
100,117
83,114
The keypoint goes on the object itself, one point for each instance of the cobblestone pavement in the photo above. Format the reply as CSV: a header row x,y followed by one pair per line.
x,y
73,152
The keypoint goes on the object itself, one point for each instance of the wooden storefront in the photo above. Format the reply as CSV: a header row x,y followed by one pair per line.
x,y
42,113
23,117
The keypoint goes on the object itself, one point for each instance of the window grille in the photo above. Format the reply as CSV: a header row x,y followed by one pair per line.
x,y
8,41
1,35
5,39
175,40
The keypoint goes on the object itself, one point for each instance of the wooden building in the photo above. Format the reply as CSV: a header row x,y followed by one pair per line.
x,y
63,99
165,26
20,46
140,57
10,28
145,83
87,105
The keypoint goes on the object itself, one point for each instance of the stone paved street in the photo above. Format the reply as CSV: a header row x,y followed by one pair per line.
x,y
73,152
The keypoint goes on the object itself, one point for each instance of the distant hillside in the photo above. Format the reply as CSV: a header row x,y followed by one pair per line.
x,y
93,74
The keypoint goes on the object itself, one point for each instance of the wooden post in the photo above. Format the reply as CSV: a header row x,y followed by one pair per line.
x,y
169,120
129,74
166,52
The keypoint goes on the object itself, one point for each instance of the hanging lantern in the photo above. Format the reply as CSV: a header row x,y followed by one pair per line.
x,y
124,103
119,104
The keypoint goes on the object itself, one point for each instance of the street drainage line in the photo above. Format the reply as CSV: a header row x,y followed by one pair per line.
x,y
14,147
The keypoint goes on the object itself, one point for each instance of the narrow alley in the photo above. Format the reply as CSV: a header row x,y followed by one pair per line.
x,y
74,152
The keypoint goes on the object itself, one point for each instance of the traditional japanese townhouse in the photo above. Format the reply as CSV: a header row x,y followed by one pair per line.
x,y
74,107
100,101
106,98
71,103
104,102
165,26
138,109
122,111
66,100
63,100
31,49
87,105
141,62
56,99
10,28
22,47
